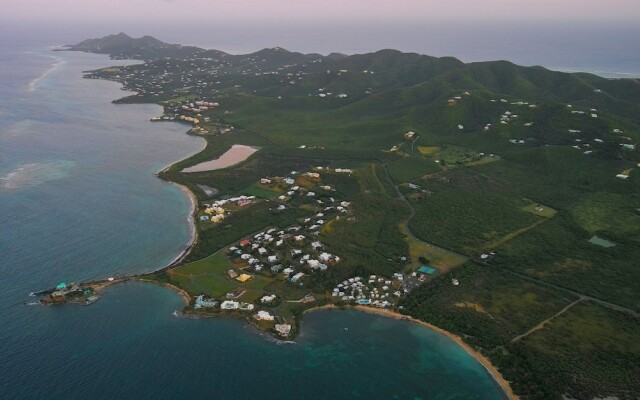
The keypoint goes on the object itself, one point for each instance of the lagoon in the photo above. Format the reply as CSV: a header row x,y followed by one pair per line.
x,y
235,155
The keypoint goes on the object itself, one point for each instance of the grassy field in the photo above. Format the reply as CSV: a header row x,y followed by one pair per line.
x,y
410,168
261,191
443,260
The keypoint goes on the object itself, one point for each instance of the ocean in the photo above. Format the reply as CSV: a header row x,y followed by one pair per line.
x,y
79,201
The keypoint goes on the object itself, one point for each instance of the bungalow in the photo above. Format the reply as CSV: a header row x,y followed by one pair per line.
x,y
297,277
232,274
264,316
229,305
268,298
272,259
316,245
283,329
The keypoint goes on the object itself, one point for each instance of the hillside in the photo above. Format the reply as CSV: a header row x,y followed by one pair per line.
x,y
521,184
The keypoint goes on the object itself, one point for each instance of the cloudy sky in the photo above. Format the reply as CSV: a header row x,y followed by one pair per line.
x,y
318,10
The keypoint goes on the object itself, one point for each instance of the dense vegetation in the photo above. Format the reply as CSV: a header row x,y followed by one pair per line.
x,y
520,161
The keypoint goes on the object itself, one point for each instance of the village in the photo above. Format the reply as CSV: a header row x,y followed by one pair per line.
x,y
292,255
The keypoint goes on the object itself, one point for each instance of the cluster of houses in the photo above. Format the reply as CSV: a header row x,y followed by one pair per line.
x,y
324,94
455,99
281,327
215,212
295,251
288,252
376,291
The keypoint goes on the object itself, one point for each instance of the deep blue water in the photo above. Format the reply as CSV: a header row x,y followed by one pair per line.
x,y
79,200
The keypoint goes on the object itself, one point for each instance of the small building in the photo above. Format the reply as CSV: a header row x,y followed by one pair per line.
x,y
297,277
283,329
264,316
229,305
243,277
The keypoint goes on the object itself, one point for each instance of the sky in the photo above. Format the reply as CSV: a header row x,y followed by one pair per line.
x,y
599,36
219,11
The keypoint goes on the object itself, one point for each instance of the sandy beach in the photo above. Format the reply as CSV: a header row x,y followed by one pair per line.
x,y
185,296
236,154
504,384
192,225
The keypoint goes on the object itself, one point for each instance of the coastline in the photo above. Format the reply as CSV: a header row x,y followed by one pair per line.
x,y
185,296
101,285
191,220
495,374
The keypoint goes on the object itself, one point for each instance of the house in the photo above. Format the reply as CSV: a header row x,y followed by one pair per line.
x,y
283,329
243,278
297,277
272,259
264,316
268,298
230,305
232,274
265,181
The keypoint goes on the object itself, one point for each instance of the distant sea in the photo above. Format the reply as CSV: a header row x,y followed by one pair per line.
x,y
79,201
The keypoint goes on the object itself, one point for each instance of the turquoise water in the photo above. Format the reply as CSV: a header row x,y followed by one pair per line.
x,y
78,200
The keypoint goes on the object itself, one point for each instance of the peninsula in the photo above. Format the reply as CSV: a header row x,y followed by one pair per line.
x,y
498,203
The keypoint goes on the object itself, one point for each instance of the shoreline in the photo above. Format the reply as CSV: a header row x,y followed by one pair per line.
x,y
101,285
191,221
495,374
185,296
